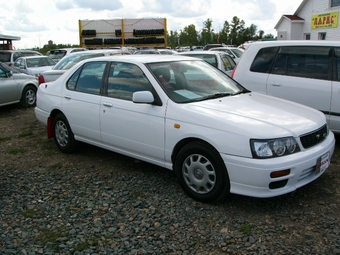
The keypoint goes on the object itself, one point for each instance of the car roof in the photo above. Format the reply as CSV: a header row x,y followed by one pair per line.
x,y
19,51
205,52
143,58
223,47
297,43
34,57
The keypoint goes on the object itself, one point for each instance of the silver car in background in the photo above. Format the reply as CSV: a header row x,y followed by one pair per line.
x,y
33,65
16,87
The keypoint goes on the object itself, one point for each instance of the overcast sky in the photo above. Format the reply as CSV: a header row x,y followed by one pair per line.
x,y
38,21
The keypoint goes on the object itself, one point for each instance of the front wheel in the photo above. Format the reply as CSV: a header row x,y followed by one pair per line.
x,y
202,173
63,135
29,96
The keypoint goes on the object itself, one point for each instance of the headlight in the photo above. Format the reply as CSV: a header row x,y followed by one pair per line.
x,y
270,148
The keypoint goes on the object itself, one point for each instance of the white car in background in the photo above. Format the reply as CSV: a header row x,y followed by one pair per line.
x,y
185,115
302,71
234,52
218,59
70,60
58,54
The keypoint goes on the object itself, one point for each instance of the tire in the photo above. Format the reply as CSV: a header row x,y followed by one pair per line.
x,y
29,96
63,135
202,173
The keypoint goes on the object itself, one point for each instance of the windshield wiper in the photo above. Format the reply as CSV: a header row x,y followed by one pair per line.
x,y
214,96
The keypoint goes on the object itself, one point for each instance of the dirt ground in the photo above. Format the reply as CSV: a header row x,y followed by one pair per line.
x,y
24,145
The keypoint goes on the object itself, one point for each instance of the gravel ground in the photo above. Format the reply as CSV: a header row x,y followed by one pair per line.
x,y
99,202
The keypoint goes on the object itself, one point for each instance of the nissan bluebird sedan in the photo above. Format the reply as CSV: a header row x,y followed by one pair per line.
x,y
183,114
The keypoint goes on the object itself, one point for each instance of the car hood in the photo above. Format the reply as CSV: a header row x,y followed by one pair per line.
x,y
253,115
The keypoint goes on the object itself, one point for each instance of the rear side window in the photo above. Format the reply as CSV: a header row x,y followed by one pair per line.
x,y
309,62
5,56
264,60
337,55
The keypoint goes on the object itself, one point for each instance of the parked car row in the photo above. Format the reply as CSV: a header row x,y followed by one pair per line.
x,y
217,136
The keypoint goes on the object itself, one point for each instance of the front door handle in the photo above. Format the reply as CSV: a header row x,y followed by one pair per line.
x,y
107,104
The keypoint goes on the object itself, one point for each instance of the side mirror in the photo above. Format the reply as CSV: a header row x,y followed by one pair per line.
x,y
143,97
9,74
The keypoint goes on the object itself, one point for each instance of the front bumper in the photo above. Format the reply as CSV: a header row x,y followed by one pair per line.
x,y
251,177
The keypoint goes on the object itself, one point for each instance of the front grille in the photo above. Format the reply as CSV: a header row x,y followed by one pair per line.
x,y
314,138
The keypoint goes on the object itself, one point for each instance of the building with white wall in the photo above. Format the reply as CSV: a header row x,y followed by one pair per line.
x,y
313,20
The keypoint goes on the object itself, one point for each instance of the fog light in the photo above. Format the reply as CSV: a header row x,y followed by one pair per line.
x,y
280,173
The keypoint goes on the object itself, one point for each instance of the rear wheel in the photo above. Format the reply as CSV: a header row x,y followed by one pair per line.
x,y
63,135
29,96
202,173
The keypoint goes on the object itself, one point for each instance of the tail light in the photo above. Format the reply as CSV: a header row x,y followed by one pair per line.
x,y
41,79
232,74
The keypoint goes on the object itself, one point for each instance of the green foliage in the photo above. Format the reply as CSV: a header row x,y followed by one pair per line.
x,y
246,228
16,151
48,47
232,33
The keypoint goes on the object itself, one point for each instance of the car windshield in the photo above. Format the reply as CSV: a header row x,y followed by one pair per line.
x,y
57,53
69,61
192,81
237,52
39,62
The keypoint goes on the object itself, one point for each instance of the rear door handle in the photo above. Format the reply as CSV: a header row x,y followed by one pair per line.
x,y
276,84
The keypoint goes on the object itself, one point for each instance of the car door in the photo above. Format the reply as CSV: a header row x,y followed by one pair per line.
x,y
335,102
9,88
81,101
301,74
127,127
227,64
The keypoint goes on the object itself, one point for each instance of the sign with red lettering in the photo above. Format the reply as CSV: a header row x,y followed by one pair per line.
x,y
325,20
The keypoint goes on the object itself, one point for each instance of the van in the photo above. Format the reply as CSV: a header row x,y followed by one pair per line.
x,y
58,54
9,56
305,72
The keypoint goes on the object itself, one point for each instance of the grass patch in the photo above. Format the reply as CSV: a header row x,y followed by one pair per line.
x,y
29,213
27,132
86,245
246,228
16,151
82,247
50,236
3,139
57,165
137,193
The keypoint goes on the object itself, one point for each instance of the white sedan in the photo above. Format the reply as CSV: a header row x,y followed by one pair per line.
x,y
185,115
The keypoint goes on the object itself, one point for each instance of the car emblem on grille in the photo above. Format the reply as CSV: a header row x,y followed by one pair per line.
x,y
317,136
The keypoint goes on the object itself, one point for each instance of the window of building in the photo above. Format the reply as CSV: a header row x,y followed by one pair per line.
x,y
322,36
335,3
307,36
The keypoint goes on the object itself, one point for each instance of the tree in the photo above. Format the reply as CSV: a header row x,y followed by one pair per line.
x,y
207,32
224,34
189,35
237,30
